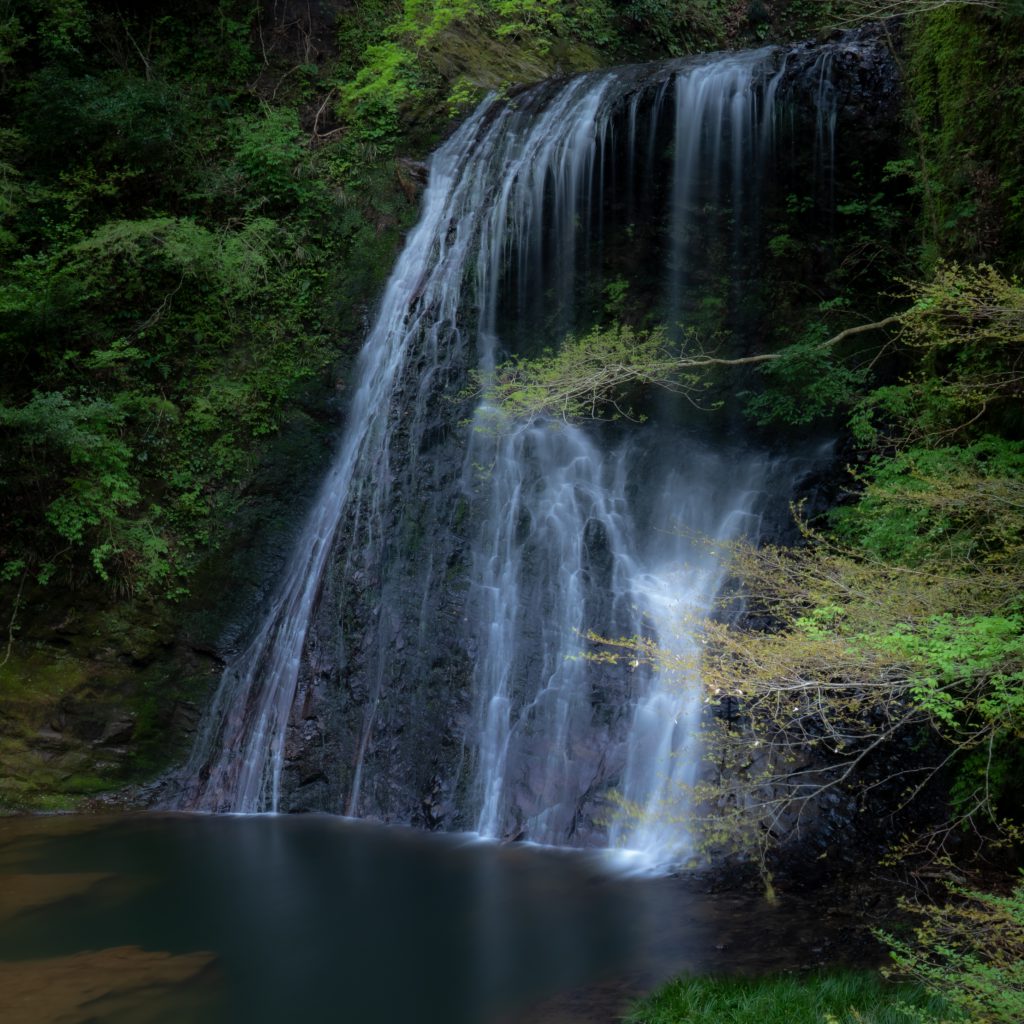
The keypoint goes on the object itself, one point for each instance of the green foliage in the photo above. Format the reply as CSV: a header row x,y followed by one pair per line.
x,y
110,119
967,70
64,25
592,377
178,261
269,153
963,501
905,614
899,623
539,19
964,331
409,62
139,252
807,382
948,653
83,439
968,326
595,22
812,999
361,28
826,259
969,951
679,28
83,469
374,98
433,51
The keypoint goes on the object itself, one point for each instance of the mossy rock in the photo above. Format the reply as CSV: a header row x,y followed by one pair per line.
x,y
95,705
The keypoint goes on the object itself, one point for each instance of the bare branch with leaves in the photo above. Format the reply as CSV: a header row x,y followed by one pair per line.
x,y
592,377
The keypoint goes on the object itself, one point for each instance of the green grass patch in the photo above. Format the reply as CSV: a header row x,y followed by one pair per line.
x,y
54,803
848,998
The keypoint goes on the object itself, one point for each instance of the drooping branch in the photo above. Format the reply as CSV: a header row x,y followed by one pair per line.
x,y
766,357
589,376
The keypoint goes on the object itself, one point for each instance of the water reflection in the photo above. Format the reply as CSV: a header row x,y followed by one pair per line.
x,y
321,918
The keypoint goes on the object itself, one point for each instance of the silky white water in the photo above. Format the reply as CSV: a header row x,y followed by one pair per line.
x,y
570,530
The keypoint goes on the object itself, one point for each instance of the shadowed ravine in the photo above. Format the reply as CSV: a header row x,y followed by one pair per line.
x,y
420,660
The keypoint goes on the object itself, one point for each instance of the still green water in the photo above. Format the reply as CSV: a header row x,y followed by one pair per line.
x,y
281,919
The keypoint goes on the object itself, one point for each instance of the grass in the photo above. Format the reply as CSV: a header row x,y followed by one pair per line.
x,y
848,998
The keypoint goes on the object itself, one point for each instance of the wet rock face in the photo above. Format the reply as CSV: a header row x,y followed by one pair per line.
x,y
856,72
385,723
377,729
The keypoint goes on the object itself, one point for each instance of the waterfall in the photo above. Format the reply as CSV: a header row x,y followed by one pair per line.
x,y
716,106
505,544
236,763
565,544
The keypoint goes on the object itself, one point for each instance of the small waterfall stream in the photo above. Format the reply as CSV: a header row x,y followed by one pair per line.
x,y
552,530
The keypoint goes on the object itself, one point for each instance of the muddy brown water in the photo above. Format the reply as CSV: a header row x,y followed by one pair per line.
x,y
154,919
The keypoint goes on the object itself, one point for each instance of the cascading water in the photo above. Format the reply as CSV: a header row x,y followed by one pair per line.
x,y
236,763
572,544
568,542
499,548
